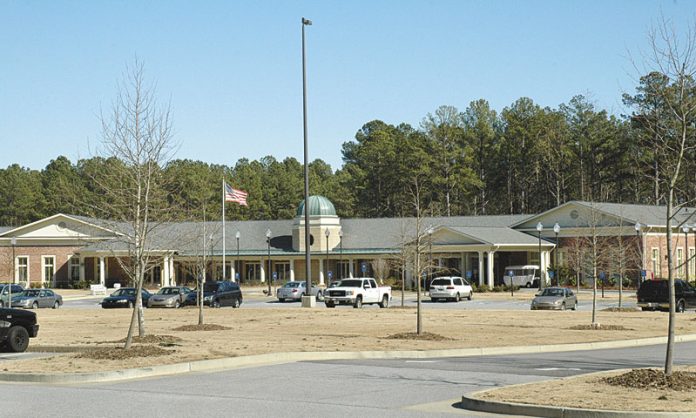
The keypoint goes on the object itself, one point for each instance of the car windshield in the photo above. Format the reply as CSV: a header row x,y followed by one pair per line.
x,y
124,292
441,282
552,292
168,291
30,293
293,284
351,283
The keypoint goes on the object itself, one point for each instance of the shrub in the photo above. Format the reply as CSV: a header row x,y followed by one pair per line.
x,y
482,289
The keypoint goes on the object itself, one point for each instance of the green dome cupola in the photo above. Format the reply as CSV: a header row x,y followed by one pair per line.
x,y
318,206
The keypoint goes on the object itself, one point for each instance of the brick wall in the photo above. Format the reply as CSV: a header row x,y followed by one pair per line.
x,y
61,254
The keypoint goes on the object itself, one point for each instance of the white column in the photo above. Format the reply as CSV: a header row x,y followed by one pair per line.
x,y
292,270
480,268
172,272
233,272
462,264
262,272
321,271
544,266
350,268
491,260
164,279
102,271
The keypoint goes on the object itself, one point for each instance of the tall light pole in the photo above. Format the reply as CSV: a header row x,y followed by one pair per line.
x,y
539,228
239,266
308,261
340,246
430,257
693,229
638,227
14,273
685,228
328,278
556,230
269,275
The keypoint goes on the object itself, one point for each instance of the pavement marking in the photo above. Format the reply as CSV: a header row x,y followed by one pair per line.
x,y
422,361
551,369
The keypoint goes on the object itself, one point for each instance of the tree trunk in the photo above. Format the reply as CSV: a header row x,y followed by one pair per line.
x,y
670,280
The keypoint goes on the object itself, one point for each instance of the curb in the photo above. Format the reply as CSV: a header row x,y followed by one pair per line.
x,y
471,403
289,357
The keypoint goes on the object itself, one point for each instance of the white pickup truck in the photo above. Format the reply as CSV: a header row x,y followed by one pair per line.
x,y
357,292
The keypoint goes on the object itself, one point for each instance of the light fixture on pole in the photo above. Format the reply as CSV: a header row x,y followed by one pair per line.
x,y
539,228
340,246
556,230
638,227
268,275
308,262
238,266
685,228
328,277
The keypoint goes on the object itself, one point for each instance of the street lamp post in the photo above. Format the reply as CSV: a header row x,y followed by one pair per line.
x,y
556,230
638,227
539,228
14,273
308,265
328,278
430,257
685,228
269,274
693,229
340,246
239,266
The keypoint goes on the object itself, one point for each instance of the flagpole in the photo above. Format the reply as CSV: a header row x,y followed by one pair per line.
x,y
224,266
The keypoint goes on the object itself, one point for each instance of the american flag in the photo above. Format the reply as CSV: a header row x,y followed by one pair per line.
x,y
233,195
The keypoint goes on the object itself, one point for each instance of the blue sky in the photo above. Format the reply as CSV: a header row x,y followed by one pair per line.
x,y
232,70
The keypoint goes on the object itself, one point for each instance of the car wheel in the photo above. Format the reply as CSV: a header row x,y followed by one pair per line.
x,y
330,305
56,305
433,300
281,300
130,305
320,297
35,305
528,285
471,295
237,303
17,339
563,306
457,298
215,304
575,306
680,307
385,302
358,302
177,305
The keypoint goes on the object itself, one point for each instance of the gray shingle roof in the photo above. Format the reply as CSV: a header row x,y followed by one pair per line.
x,y
645,214
499,235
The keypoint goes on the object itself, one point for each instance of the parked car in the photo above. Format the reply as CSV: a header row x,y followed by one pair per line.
x,y
294,291
357,292
16,327
37,298
169,297
124,298
5,293
559,298
654,295
450,288
522,276
217,294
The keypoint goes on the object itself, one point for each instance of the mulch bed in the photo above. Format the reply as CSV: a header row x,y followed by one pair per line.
x,y
153,339
615,309
654,379
428,336
598,327
119,353
204,327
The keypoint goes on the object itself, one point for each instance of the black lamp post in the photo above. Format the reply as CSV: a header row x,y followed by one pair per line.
x,y
340,246
269,275
14,273
556,230
239,266
638,226
308,265
693,229
685,228
539,228
430,257
327,233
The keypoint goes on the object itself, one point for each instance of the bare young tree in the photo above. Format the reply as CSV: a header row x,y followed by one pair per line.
x,y
671,59
380,267
137,132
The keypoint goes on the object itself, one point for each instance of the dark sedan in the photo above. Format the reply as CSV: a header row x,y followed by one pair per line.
x,y
217,294
124,298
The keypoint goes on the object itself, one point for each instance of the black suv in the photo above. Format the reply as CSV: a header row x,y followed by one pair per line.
x,y
217,294
16,327
654,295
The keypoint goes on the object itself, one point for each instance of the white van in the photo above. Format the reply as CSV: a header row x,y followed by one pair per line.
x,y
522,276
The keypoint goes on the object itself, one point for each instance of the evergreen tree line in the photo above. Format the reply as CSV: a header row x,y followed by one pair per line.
x,y
523,159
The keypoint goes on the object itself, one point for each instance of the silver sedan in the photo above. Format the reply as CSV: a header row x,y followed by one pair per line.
x,y
558,298
294,291
169,297
37,298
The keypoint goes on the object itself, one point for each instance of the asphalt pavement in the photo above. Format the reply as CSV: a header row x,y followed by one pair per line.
x,y
383,388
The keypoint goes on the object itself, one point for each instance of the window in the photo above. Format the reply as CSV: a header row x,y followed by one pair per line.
x,y
282,270
253,271
74,269
22,273
680,261
343,268
48,269
655,260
